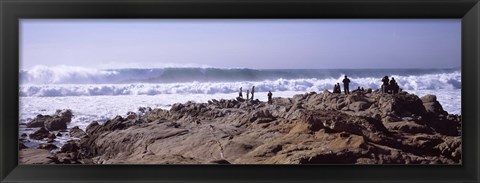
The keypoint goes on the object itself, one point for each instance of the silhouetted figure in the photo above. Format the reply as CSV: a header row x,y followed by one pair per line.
x,y
240,93
253,91
336,88
346,82
394,86
248,92
362,89
269,97
357,90
385,85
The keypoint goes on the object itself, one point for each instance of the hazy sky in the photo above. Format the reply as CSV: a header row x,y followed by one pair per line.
x,y
256,43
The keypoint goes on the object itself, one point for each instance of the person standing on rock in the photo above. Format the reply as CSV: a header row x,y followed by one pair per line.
x,y
269,97
240,93
385,84
253,91
346,82
248,92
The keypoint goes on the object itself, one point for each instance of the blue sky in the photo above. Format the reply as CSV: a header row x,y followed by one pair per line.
x,y
256,43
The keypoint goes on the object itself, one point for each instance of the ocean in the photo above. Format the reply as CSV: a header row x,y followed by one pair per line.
x,y
94,94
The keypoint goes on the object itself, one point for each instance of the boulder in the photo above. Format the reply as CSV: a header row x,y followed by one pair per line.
x,y
77,132
93,127
40,134
57,123
52,123
70,146
432,105
38,121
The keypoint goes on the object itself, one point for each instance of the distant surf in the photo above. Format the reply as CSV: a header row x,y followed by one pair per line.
x,y
79,75
50,82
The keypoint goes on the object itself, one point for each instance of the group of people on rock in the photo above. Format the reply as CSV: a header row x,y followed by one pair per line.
x,y
390,86
240,94
346,87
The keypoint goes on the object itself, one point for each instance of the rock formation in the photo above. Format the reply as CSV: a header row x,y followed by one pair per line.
x,y
56,122
360,128
325,128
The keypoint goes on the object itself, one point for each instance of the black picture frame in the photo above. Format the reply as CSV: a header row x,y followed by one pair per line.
x,y
13,10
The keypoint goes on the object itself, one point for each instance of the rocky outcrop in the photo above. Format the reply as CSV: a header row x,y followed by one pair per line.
x,y
52,123
360,128
432,105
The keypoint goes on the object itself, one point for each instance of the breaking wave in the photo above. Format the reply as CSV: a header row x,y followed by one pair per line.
x,y
449,81
80,75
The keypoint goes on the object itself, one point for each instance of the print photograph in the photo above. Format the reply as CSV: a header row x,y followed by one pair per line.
x,y
240,91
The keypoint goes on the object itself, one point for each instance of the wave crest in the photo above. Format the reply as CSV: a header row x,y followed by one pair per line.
x,y
79,75
447,81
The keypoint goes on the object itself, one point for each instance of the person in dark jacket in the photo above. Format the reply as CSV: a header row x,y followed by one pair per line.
x,y
336,88
248,92
385,85
253,91
394,86
269,97
346,82
240,93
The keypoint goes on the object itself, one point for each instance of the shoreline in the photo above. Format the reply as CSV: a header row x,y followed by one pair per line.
x,y
236,119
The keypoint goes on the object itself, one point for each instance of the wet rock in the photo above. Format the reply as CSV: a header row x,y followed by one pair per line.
x,y
52,123
57,123
38,121
40,134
